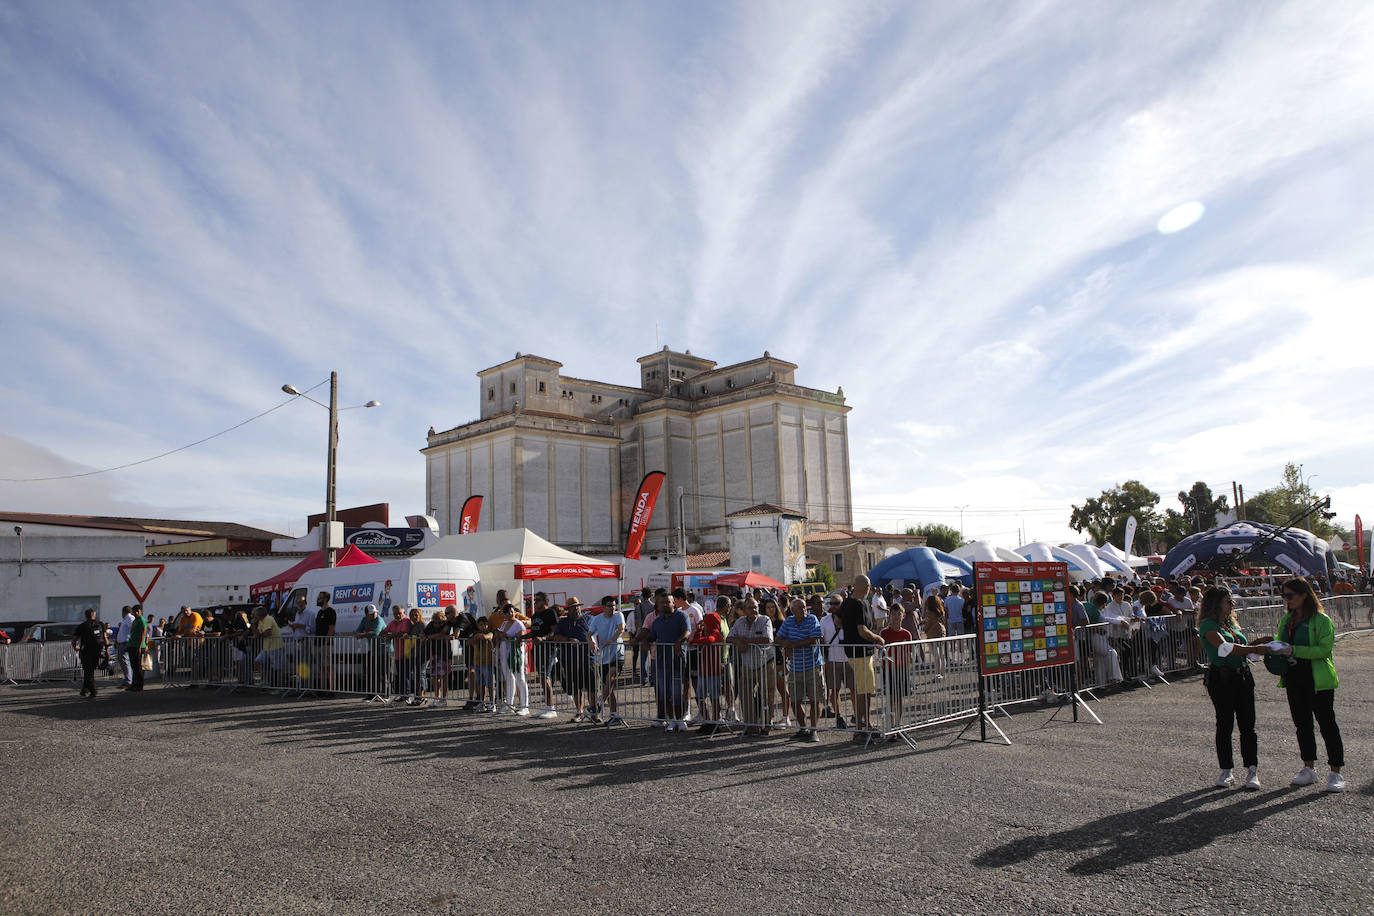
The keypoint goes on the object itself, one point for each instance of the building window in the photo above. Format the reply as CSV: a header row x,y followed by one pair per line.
x,y
871,564
838,565
756,561
512,387
491,394
541,387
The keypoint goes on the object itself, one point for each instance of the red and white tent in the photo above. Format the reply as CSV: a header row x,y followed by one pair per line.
x,y
510,556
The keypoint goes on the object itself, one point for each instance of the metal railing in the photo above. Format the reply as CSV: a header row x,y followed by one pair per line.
x,y
716,687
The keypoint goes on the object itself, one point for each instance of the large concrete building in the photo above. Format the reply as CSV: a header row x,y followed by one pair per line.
x,y
564,456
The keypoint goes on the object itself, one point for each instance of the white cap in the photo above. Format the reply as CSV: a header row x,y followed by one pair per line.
x,y
370,608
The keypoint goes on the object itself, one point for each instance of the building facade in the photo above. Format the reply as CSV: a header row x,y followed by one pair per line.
x,y
564,456
853,553
769,539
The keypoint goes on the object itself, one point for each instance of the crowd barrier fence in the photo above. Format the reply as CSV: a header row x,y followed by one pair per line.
x,y
723,688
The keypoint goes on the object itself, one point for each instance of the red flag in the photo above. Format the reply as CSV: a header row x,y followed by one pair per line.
x,y
1359,544
643,511
467,519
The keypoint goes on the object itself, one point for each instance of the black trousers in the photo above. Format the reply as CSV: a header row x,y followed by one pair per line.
x,y
88,665
1306,702
136,661
1233,695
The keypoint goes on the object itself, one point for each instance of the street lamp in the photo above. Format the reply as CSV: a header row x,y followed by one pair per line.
x,y
331,470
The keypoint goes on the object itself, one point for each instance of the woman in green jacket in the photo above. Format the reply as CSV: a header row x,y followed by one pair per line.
x,y
1311,681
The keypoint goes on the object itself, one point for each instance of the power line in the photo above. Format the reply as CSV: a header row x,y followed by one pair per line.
x,y
183,448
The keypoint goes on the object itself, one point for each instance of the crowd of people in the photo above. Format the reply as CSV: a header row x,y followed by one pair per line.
x,y
759,658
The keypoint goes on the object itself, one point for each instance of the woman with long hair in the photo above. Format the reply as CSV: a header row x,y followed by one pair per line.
x,y
1230,683
1311,681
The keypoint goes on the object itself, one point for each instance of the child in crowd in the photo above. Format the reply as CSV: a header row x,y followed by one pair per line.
x,y
896,664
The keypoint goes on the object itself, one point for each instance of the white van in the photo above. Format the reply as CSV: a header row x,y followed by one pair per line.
x,y
428,584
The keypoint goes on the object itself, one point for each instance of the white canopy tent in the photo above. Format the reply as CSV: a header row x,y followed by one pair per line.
x,y
983,552
1117,553
1040,552
507,557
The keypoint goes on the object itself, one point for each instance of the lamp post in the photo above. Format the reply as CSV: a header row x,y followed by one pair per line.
x,y
331,470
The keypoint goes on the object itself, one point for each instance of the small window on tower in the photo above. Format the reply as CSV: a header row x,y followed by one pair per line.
x,y
541,387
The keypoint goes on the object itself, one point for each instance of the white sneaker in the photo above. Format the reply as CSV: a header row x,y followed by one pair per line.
x,y
1225,780
1154,670
682,725
1306,777
548,713
523,711
1335,783
1252,778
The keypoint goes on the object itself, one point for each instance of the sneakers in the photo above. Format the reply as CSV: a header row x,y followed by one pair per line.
x,y
1252,778
812,737
523,711
548,712
680,725
840,722
1335,783
1225,780
1306,777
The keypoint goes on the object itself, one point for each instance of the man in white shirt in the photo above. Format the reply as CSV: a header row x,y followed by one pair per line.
x,y
684,601
126,666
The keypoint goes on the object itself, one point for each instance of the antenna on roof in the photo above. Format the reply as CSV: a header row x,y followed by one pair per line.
x,y
657,342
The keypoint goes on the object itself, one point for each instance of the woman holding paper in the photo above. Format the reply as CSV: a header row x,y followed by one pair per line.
x,y
1230,684
1311,681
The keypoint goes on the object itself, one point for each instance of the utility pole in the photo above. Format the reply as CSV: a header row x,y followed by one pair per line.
x,y
1235,499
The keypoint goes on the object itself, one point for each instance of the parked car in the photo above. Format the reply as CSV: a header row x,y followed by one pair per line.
x,y
15,629
52,632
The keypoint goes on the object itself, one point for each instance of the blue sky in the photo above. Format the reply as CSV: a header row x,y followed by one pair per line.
x,y
949,209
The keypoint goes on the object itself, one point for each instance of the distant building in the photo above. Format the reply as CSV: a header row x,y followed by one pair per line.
x,y
564,456
768,539
852,553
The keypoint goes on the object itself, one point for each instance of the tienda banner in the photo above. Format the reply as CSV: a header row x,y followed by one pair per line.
x,y
472,511
567,571
642,512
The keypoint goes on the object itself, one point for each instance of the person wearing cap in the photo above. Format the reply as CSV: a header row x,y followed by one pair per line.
x,y
369,630
577,652
542,622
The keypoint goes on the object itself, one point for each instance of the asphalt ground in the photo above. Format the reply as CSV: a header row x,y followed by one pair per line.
x,y
187,801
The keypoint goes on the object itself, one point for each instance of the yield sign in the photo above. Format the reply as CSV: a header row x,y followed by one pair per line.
x,y
141,577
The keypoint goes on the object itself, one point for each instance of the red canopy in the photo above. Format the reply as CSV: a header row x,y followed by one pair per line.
x,y
351,556
749,580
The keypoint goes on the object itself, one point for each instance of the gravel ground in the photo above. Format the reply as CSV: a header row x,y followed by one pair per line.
x,y
255,804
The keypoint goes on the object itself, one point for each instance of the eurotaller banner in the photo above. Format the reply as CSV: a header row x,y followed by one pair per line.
x,y
642,512
468,518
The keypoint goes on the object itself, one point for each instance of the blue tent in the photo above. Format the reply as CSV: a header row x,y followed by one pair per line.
x,y
1300,552
925,565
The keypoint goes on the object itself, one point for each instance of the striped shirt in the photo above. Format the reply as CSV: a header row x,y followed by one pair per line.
x,y
803,658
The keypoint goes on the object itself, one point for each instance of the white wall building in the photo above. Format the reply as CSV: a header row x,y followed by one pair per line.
x,y
564,456
769,539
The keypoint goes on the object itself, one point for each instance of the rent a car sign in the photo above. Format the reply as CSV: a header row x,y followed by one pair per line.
x,y
436,594
352,594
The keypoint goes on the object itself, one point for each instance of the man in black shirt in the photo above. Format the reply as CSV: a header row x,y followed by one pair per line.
x,y
542,622
322,666
90,642
859,639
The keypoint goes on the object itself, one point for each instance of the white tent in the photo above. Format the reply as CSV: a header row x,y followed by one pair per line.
x,y
1088,559
506,557
983,552
1116,553
1040,552
1113,563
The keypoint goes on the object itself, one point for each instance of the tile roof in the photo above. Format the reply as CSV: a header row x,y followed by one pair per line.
x,y
709,559
766,509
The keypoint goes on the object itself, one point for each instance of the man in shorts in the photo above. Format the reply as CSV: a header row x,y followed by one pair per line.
x,y
800,636
608,629
859,639
542,621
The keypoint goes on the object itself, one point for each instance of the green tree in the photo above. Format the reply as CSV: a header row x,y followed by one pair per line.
x,y
822,573
1200,511
1104,517
1277,505
938,536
